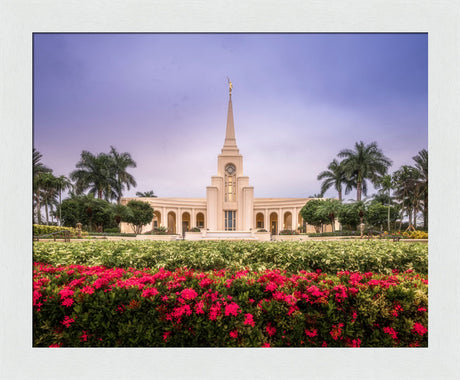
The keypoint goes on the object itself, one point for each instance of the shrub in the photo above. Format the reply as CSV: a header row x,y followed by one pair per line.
x,y
379,256
41,229
288,232
416,234
79,306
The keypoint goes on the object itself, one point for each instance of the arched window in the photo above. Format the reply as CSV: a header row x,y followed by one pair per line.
x,y
230,183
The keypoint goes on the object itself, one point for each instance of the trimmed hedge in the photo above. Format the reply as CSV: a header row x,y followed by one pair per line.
x,y
42,229
379,256
79,306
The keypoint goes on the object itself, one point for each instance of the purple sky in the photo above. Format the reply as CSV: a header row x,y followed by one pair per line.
x,y
298,99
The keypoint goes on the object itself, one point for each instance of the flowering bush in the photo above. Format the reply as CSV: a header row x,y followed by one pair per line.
x,y
41,229
83,306
329,256
416,234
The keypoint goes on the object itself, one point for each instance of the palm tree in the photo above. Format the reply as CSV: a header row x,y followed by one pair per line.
x,y
405,180
120,162
96,174
146,194
38,169
365,162
62,183
385,183
330,208
421,164
335,176
47,183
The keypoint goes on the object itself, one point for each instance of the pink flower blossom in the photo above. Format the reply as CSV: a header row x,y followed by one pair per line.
x,y
188,294
266,345
166,335
67,302
66,292
234,334
271,330
390,331
232,309
67,321
336,331
149,292
249,320
311,333
421,309
88,290
199,307
214,311
84,336
419,329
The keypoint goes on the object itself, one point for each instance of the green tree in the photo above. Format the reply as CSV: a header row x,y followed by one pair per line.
x,y
311,216
335,176
93,213
421,164
406,192
365,162
96,174
377,215
138,215
351,215
329,209
38,170
120,163
62,183
47,184
146,194
119,211
386,184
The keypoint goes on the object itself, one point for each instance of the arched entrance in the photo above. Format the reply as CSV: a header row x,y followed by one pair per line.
x,y
260,220
185,221
156,219
287,221
274,223
200,220
172,222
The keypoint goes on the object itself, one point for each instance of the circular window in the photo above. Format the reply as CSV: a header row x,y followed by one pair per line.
x,y
230,169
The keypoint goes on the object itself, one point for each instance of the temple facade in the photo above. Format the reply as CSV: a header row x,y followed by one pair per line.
x,y
229,208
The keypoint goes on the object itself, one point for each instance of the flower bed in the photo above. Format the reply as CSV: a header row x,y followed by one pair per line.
x,y
81,306
328,256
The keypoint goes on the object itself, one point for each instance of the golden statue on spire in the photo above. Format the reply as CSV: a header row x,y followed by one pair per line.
x,y
230,85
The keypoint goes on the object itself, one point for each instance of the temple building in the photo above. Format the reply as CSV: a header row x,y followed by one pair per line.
x,y
229,209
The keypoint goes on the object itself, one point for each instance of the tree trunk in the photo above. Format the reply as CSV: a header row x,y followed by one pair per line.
x,y
340,195
46,211
39,206
425,212
99,193
358,191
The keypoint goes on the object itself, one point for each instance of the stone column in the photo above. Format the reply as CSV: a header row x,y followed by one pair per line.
x,y
164,217
179,221
193,219
266,220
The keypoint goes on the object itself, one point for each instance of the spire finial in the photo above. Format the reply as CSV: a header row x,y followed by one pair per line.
x,y
230,86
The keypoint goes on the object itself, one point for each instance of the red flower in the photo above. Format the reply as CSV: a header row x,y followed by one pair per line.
x,y
188,294
311,333
67,302
56,345
249,320
87,290
271,330
83,337
234,334
336,331
67,321
419,329
266,345
149,292
166,335
232,309
390,331
199,307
